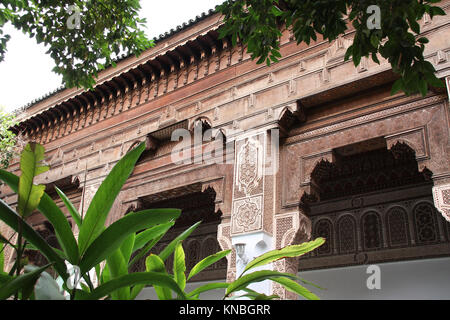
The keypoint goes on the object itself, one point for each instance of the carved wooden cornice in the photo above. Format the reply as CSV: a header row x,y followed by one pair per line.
x,y
124,91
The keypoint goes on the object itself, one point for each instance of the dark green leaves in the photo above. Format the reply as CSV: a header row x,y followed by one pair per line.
x,y
105,30
258,27
11,218
24,282
113,237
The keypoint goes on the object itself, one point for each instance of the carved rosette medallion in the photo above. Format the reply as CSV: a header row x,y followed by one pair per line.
x,y
247,215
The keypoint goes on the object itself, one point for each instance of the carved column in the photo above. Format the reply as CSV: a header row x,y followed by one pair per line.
x,y
252,204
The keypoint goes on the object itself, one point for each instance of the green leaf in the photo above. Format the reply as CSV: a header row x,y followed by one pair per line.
x,y
171,246
10,217
70,207
296,288
148,278
253,277
54,215
207,287
423,87
144,237
127,247
287,252
104,198
112,238
30,166
23,282
179,266
397,86
2,258
118,267
207,262
154,263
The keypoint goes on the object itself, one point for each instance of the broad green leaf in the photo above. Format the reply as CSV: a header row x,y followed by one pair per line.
x,y
253,277
148,278
23,282
142,253
93,223
118,267
153,263
296,288
70,207
30,165
144,237
54,215
10,217
112,237
171,246
207,287
4,278
179,266
127,247
287,252
207,262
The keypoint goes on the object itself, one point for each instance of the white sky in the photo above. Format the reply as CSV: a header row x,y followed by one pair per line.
x,y
26,74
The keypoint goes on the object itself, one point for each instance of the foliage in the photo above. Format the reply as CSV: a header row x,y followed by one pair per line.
x,y
83,37
111,251
7,138
257,23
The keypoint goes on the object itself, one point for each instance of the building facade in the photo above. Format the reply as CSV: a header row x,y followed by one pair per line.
x,y
310,146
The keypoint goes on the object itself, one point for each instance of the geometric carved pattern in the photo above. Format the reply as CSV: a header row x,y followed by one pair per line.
x,y
425,221
247,210
247,215
371,231
397,222
249,168
324,229
441,196
347,234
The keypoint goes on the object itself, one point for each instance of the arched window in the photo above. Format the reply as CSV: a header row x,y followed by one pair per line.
x,y
346,234
397,225
425,222
323,228
371,231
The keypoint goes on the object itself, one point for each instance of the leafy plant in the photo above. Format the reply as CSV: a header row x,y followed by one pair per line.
x,y
7,138
116,247
83,37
